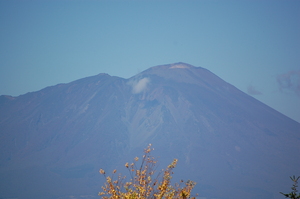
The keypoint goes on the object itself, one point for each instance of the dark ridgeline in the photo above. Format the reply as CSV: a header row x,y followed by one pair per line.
x,y
54,141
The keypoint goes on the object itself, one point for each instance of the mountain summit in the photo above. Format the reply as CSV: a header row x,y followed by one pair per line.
x,y
54,141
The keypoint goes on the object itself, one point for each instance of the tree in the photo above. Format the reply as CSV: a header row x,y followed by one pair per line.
x,y
145,182
294,193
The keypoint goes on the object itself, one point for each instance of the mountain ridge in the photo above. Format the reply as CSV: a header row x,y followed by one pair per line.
x,y
66,132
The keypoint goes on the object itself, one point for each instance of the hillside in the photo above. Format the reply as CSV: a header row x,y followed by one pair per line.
x,y
54,141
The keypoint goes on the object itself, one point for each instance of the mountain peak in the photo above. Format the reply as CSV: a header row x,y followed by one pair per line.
x,y
180,65
183,72
103,74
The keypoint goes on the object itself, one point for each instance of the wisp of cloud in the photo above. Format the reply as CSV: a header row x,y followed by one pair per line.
x,y
289,81
251,90
140,85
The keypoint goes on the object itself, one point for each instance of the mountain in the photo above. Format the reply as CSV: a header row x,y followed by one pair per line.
x,y
54,141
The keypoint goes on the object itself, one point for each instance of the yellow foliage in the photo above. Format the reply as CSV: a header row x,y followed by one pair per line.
x,y
144,184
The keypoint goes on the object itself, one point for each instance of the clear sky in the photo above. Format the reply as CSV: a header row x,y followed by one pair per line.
x,y
254,45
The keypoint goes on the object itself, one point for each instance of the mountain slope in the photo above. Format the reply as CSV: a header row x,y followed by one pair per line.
x,y
228,142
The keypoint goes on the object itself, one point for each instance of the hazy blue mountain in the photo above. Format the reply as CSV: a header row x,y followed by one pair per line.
x,y
54,141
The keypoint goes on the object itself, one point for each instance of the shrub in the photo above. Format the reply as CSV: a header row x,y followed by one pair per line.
x,y
294,193
145,182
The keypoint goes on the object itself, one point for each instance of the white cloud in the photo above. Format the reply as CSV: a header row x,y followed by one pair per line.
x,y
140,85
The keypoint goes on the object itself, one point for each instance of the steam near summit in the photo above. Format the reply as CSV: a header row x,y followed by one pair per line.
x,y
139,85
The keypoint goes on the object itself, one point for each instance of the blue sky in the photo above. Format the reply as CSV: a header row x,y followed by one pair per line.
x,y
254,45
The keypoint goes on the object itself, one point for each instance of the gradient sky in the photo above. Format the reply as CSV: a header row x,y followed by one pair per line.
x,y
254,45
